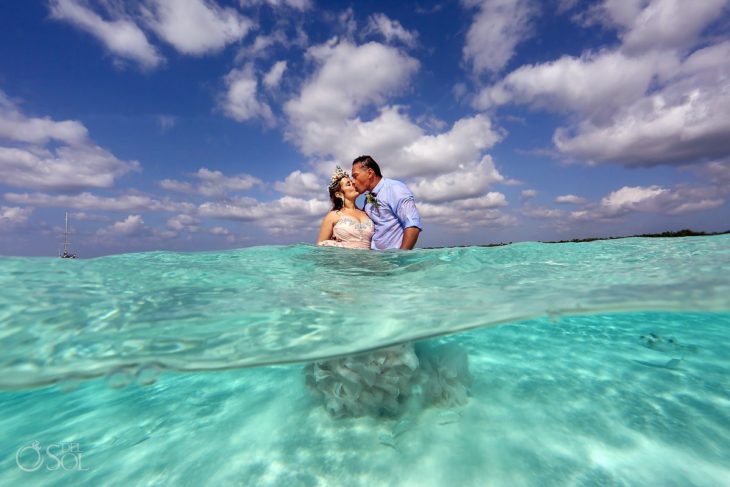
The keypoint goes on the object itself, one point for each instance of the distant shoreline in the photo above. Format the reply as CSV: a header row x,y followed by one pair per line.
x,y
681,233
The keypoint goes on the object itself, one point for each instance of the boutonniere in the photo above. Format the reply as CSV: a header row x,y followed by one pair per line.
x,y
370,198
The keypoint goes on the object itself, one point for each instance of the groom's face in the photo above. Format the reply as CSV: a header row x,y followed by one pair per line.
x,y
361,177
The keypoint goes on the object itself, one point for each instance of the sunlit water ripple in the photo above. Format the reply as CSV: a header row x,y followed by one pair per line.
x,y
610,368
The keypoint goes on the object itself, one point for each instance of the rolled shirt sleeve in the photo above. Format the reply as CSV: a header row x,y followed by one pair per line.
x,y
408,213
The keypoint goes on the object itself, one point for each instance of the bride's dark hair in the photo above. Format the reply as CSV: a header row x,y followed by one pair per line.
x,y
337,202
335,187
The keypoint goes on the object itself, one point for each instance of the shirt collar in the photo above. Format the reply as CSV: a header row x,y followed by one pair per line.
x,y
378,187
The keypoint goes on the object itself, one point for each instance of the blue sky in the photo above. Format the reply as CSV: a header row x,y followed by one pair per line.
x,y
201,125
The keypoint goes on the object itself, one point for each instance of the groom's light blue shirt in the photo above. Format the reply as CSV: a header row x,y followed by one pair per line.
x,y
395,211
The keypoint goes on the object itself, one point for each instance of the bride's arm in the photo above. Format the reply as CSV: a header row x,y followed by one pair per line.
x,y
327,227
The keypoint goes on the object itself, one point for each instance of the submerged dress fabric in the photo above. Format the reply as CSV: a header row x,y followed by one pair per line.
x,y
391,381
388,381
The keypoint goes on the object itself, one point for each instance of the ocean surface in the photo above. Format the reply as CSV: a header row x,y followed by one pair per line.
x,y
601,363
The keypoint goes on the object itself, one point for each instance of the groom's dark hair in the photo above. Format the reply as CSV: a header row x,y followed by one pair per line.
x,y
368,161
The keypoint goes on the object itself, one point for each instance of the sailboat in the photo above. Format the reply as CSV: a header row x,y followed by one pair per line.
x,y
66,254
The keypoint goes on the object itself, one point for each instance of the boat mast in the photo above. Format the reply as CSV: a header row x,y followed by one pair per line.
x,y
65,254
65,237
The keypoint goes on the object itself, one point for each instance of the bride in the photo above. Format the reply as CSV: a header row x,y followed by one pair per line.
x,y
345,225
392,379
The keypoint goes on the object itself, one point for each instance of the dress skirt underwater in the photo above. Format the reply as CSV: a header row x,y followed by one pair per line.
x,y
388,381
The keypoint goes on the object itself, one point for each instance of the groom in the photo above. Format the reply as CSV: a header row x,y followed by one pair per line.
x,y
389,204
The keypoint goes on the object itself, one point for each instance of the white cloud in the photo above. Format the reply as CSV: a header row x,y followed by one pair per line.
x,y
449,151
13,216
718,172
63,169
241,100
132,226
656,199
178,186
212,183
658,24
272,79
123,203
18,127
215,183
349,77
286,215
404,151
285,35
121,36
698,205
295,4
631,197
595,84
260,46
615,13
166,122
706,64
249,209
684,122
635,109
229,236
346,25
73,162
527,194
195,27
630,200
465,218
384,137
571,199
220,231
132,231
498,27
439,167
468,181
392,30
302,184
491,200
566,5
653,199
542,213
683,115
183,223
87,217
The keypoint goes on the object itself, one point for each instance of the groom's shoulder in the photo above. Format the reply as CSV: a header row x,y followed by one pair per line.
x,y
397,185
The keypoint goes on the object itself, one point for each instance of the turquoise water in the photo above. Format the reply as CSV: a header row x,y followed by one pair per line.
x,y
602,363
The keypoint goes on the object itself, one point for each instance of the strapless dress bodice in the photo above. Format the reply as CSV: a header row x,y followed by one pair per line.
x,y
348,232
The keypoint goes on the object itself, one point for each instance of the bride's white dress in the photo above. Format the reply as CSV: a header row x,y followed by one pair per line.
x,y
389,380
350,233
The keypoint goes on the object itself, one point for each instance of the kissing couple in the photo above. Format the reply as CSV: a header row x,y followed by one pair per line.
x,y
400,378
388,220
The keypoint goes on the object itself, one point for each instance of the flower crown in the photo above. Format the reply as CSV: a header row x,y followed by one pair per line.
x,y
337,176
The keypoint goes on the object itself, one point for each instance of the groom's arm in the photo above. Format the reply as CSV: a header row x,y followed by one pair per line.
x,y
409,217
410,237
